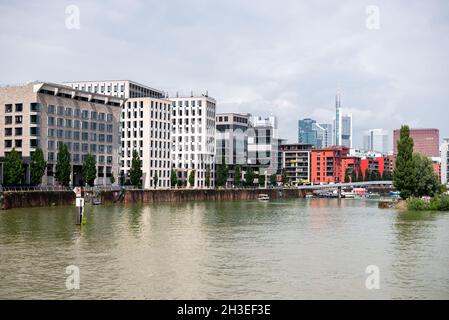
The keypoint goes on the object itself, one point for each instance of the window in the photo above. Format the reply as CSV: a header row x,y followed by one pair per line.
x,y
8,108
85,114
19,107
51,121
101,116
18,144
60,110
34,131
35,107
110,117
77,113
8,143
110,128
101,127
85,125
76,135
51,145
68,112
93,126
76,124
60,122
19,119
84,136
8,120
68,123
93,115
51,132
59,133
34,143
8,132
51,109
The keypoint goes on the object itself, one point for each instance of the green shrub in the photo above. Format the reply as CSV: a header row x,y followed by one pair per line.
x,y
417,204
444,203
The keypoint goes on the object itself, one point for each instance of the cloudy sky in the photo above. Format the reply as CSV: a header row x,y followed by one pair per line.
x,y
283,58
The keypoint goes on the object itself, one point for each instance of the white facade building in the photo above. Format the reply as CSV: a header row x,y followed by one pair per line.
x,y
117,88
445,161
193,139
145,127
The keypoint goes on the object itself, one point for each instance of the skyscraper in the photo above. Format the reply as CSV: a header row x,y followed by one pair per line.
x,y
346,131
310,132
337,120
328,139
376,140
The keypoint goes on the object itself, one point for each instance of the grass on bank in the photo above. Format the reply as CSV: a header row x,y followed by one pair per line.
x,y
437,203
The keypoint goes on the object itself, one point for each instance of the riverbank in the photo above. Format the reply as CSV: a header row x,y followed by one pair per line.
x,y
28,199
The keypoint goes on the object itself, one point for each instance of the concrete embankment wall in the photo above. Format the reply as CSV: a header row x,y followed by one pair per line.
x,y
155,196
28,199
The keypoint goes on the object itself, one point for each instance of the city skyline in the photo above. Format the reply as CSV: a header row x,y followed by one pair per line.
x,y
315,50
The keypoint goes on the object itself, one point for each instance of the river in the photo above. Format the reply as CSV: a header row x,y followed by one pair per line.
x,y
289,249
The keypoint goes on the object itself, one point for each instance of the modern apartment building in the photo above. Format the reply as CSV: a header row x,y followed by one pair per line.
x,y
425,141
445,161
47,115
296,162
231,140
264,145
376,140
329,165
193,139
145,127
117,88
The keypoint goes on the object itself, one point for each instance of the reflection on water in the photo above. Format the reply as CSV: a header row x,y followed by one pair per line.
x,y
295,249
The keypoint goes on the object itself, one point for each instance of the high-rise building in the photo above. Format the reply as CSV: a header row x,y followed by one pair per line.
x,y
376,140
342,126
117,88
445,161
145,127
193,139
425,141
328,135
263,145
296,162
231,140
310,132
346,131
338,121
48,115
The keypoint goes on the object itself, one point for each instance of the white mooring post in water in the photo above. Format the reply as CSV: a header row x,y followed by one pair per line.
x,y
79,205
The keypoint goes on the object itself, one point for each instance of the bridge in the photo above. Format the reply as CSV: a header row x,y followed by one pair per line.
x,y
340,186
346,185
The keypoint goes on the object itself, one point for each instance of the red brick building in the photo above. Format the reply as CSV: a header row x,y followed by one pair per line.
x,y
425,141
329,165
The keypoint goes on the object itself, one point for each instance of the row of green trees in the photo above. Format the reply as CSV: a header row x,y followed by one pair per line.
x,y
413,175
13,171
249,177
352,176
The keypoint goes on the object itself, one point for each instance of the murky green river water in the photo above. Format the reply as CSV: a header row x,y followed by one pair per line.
x,y
292,249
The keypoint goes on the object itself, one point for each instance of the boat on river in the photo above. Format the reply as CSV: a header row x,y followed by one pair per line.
x,y
263,197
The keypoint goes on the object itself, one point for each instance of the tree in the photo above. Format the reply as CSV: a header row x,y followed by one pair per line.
x,y
37,166
375,176
135,173
112,178
427,182
89,169
155,180
285,179
367,175
122,178
261,179
347,178
249,176
222,174
274,179
353,175
173,178
63,167
192,178
386,175
237,176
403,174
207,176
13,168
360,175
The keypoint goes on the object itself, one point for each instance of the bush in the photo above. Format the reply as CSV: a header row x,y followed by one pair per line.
x,y
437,203
444,203
417,204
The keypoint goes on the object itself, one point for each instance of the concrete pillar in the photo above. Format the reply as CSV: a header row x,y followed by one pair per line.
x,y
339,192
